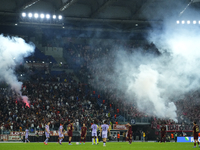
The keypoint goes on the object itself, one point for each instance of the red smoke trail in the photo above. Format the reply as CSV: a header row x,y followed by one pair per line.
x,y
26,101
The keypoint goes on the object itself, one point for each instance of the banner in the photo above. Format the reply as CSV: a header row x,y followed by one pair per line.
x,y
174,127
41,133
119,127
13,138
17,133
54,51
179,128
38,65
4,137
186,139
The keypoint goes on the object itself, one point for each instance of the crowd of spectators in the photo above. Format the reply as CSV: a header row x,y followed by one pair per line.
x,y
61,98
188,107
187,110
85,55
50,100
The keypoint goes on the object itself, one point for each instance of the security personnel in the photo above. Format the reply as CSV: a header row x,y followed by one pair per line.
x,y
124,137
172,136
144,135
118,136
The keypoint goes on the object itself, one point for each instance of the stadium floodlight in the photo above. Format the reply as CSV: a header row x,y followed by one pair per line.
x,y
30,15
194,22
42,16
183,22
47,16
36,15
188,22
177,21
23,14
59,17
54,16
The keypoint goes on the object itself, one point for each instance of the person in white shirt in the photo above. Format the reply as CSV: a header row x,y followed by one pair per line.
x,y
60,132
104,132
47,133
94,133
26,135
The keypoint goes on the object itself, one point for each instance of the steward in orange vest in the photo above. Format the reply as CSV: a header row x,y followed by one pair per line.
x,y
118,136
172,136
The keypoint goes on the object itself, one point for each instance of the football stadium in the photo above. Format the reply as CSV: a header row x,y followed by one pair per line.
x,y
99,74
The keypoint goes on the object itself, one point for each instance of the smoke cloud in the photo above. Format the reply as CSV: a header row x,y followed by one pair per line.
x,y
12,52
153,82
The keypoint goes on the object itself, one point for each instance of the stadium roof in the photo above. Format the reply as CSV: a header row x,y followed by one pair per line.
x,y
126,14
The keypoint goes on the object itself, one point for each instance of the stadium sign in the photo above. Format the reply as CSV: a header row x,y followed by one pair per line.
x,y
133,121
119,127
186,139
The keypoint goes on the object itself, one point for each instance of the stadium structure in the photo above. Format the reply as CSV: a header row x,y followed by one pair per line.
x,y
70,73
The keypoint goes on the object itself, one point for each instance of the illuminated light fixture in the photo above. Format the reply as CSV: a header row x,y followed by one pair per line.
x,y
59,17
23,14
177,21
54,16
63,27
36,15
183,22
199,22
136,25
61,63
16,25
50,62
188,22
42,16
43,62
194,22
47,16
30,15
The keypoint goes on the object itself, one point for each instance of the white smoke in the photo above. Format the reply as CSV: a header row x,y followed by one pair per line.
x,y
153,82
148,94
12,52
